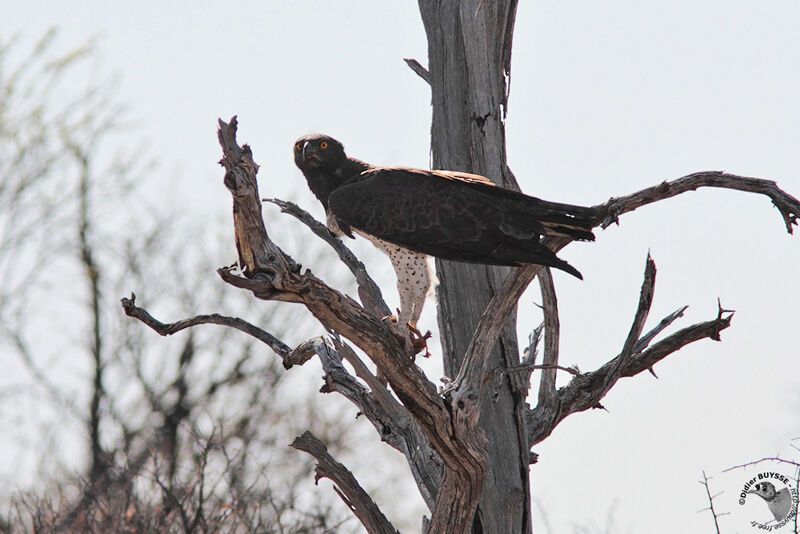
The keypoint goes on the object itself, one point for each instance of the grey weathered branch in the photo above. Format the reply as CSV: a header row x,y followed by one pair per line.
x,y
421,71
547,383
167,329
787,205
529,353
382,395
491,323
368,290
642,310
528,363
302,352
347,486
645,340
260,255
530,367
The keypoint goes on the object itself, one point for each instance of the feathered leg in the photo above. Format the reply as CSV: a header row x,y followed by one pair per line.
x,y
414,280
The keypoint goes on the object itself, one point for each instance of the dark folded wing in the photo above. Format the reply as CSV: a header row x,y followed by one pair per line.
x,y
458,216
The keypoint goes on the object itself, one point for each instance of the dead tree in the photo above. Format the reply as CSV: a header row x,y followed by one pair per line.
x,y
478,423
437,430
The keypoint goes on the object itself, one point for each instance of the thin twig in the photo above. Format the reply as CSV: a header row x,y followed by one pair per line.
x,y
770,459
529,354
529,357
645,340
521,368
704,482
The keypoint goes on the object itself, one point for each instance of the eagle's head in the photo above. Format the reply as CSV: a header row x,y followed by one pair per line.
x,y
318,152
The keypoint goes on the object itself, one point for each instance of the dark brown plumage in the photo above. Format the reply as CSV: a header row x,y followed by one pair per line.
x,y
452,215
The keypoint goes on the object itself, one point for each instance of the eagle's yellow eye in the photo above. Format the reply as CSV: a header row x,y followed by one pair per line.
x,y
323,145
298,147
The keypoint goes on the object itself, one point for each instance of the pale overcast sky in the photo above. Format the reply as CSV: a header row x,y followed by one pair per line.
x,y
606,98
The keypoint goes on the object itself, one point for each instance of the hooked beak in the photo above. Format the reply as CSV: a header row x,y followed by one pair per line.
x,y
311,155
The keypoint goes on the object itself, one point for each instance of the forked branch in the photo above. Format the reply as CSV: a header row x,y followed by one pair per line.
x,y
587,390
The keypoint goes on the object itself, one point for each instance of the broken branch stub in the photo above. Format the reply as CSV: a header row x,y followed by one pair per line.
x,y
257,253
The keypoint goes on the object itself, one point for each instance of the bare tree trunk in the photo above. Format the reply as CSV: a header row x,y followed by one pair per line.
x,y
469,52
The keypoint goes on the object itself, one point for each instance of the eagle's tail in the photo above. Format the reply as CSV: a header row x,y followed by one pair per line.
x,y
574,222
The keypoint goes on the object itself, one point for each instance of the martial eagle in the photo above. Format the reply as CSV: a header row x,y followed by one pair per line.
x,y
413,214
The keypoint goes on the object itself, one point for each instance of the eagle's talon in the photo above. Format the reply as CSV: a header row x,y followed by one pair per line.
x,y
419,341
411,339
405,341
401,334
